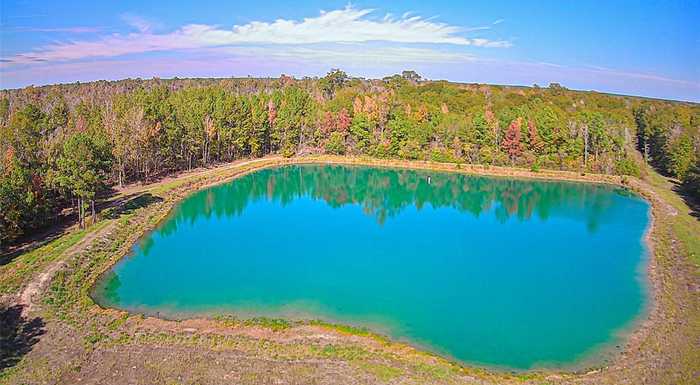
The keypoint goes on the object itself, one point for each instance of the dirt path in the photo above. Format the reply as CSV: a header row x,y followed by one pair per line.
x,y
137,188
37,285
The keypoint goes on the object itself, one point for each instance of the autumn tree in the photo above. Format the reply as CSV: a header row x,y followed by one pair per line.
x,y
122,124
534,139
271,113
343,121
511,142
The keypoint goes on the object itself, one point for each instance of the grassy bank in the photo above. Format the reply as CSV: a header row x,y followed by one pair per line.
x,y
84,341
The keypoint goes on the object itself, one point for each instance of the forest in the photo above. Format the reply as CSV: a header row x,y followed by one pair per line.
x,y
64,147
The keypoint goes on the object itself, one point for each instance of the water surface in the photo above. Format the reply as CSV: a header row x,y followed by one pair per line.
x,y
492,271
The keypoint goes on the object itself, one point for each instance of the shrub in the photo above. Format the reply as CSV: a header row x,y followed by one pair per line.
x,y
443,156
288,152
691,182
335,144
626,166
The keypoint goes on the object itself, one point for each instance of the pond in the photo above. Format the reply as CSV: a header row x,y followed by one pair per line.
x,y
487,271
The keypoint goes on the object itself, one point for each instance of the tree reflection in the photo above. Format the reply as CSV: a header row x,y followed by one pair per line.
x,y
383,193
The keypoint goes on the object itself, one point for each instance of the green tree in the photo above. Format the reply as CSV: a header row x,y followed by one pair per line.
x,y
4,110
333,81
21,206
24,134
360,133
82,170
681,157
691,182
411,76
293,117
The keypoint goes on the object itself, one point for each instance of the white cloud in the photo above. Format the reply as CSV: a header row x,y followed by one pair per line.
x,y
347,25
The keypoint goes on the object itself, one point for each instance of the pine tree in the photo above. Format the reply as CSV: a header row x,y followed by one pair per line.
x,y
82,169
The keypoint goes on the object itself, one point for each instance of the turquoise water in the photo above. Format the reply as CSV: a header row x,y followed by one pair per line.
x,y
488,271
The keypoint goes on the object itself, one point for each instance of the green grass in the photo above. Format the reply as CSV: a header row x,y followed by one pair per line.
x,y
274,324
384,373
23,268
341,351
351,330
685,227
213,175
676,235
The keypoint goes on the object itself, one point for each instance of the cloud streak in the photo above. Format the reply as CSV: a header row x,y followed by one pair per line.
x,y
52,30
141,24
347,25
349,54
357,59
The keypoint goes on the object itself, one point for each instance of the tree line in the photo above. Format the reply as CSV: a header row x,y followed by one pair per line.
x,y
63,146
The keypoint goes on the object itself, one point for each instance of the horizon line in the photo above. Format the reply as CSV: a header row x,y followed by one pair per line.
x,y
316,77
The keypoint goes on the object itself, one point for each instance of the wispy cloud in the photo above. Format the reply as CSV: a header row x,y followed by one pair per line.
x,y
554,70
141,24
54,30
347,25
350,54
639,76
31,16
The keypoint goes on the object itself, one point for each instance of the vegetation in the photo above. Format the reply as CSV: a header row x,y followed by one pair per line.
x,y
691,181
63,145
107,342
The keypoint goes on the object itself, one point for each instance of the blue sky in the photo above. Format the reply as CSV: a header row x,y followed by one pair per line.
x,y
647,48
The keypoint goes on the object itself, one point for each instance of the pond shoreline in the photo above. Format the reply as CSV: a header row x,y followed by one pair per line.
x,y
593,359
628,357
